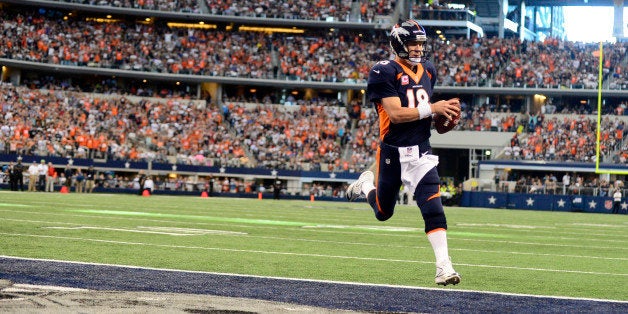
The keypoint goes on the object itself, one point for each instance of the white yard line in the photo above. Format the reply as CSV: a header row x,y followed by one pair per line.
x,y
306,254
188,232
310,280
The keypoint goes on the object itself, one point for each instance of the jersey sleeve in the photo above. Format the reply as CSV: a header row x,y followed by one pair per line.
x,y
381,81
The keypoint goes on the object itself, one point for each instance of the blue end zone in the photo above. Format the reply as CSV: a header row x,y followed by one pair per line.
x,y
345,296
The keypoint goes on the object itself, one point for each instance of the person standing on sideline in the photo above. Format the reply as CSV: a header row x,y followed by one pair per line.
x,y
19,174
12,178
51,176
68,173
141,178
212,181
33,172
149,185
400,90
42,170
276,189
617,201
566,182
90,177
79,180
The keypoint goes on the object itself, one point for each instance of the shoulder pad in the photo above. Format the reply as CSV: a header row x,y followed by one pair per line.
x,y
382,71
429,67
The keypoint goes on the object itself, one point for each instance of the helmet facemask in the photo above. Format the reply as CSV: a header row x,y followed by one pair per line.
x,y
412,58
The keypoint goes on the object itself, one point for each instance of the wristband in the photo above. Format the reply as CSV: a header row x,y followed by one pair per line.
x,y
424,111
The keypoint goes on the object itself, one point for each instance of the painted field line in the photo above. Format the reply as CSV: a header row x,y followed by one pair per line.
x,y
539,254
153,230
289,223
13,205
535,243
555,236
325,241
22,287
253,221
552,231
309,280
305,254
452,235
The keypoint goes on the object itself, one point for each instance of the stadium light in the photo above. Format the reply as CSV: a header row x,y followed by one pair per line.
x,y
540,97
102,20
293,30
200,25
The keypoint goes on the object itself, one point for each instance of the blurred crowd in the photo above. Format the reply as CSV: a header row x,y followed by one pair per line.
x,y
570,139
316,134
159,5
327,56
79,125
565,184
339,10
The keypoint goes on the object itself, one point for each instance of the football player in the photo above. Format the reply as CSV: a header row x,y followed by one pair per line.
x,y
400,90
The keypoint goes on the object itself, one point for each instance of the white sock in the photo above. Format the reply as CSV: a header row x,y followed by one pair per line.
x,y
367,187
438,239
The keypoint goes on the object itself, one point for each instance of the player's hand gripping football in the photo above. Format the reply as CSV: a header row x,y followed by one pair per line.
x,y
448,108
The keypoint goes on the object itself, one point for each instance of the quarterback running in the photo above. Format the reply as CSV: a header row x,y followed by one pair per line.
x,y
401,91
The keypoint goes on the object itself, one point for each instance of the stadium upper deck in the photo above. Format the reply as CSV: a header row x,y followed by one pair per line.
x,y
316,55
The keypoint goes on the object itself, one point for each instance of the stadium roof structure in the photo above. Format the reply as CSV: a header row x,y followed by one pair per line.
x,y
567,3
491,7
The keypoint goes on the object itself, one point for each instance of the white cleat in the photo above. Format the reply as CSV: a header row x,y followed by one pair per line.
x,y
354,191
445,274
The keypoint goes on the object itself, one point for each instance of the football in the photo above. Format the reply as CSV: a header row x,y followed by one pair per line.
x,y
444,125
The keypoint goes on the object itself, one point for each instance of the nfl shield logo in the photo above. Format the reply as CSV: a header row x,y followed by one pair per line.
x,y
408,151
405,80
608,204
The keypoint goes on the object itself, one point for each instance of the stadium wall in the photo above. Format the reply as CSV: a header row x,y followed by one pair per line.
x,y
562,203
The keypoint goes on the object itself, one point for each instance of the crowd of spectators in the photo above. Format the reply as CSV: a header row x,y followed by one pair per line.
x,y
327,57
338,56
554,136
191,6
304,137
315,134
338,10
321,10
554,63
569,139
81,125
565,184
321,133
441,10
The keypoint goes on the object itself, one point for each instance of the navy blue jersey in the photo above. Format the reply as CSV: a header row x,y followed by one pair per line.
x,y
392,79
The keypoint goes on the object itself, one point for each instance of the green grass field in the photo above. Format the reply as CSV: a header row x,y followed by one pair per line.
x,y
514,251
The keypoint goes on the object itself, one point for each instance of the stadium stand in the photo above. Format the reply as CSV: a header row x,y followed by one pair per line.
x,y
183,126
342,56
